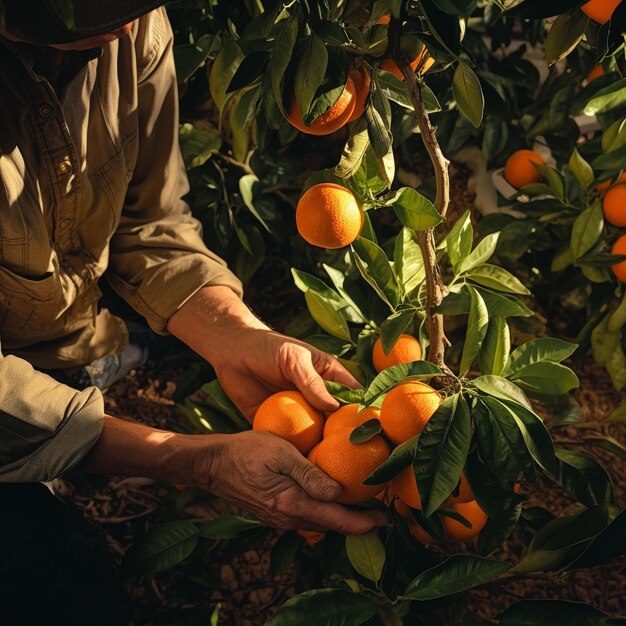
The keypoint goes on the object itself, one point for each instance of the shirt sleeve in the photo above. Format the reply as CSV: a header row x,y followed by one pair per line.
x,y
46,428
158,258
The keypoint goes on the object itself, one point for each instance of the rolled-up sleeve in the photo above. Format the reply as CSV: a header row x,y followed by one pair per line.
x,y
46,428
158,258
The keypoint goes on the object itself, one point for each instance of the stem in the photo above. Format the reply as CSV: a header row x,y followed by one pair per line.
x,y
435,288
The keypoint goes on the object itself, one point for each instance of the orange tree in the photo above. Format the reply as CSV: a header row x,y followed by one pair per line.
x,y
285,71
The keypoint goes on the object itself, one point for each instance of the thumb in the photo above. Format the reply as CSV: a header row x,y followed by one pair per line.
x,y
312,479
310,384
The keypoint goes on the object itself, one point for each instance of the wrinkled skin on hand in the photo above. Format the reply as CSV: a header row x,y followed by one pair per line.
x,y
268,477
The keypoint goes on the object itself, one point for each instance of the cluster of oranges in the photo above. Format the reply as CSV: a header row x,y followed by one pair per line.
x,y
404,412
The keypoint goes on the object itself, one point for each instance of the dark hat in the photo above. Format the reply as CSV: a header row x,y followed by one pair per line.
x,y
64,21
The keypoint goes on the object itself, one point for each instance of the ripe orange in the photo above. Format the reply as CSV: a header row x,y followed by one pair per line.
x,y
362,81
619,269
329,216
346,417
312,453
600,10
456,531
519,169
406,409
603,186
351,463
384,19
465,493
596,71
614,205
404,486
289,416
414,528
389,65
405,350
333,119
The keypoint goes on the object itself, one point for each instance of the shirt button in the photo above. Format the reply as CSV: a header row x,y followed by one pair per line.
x,y
65,167
45,111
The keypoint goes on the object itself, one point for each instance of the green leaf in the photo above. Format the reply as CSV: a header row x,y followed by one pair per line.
x,y
581,169
414,210
441,452
311,64
354,150
616,367
613,160
498,278
223,70
323,312
348,291
459,240
188,58
496,345
586,230
366,431
378,133
458,573
397,374
343,393
545,379
500,441
548,613
213,395
161,548
468,94
607,99
281,55
246,185
537,350
331,607
565,34
393,327
609,544
583,478
227,527
401,456
407,260
603,341
375,268
481,253
476,330
197,145
367,555
502,388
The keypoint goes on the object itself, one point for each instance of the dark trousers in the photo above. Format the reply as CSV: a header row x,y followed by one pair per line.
x,y
54,571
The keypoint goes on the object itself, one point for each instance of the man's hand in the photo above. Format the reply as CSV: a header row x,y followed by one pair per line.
x,y
257,471
251,360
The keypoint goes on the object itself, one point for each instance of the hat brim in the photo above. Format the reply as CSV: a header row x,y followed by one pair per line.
x,y
89,18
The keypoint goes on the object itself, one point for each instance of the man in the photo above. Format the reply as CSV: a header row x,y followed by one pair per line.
x,y
92,181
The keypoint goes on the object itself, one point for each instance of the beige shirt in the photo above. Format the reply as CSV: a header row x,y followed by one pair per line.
x,y
91,180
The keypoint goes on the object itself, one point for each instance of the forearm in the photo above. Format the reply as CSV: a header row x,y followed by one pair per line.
x,y
210,321
130,449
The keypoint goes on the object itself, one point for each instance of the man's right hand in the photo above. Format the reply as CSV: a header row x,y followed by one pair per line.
x,y
268,477
258,471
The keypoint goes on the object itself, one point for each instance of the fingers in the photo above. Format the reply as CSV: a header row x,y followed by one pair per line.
x,y
336,517
311,478
335,371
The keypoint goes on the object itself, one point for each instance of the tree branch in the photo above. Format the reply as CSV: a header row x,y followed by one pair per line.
x,y
435,289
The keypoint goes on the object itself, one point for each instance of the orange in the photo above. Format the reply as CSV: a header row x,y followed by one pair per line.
x,y
362,81
389,65
289,416
406,409
614,205
312,453
519,169
455,531
348,417
596,71
404,486
603,186
333,119
329,216
619,269
405,350
465,493
384,19
351,463
600,10
311,536
414,528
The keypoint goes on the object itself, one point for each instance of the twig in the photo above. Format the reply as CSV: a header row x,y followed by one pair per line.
x,y
238,164
435,288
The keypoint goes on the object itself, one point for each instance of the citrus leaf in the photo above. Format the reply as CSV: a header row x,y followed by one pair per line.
x,y
458,573
343,393
581,169
565,34
468,94
392,376
497,278
311,64
366,431
367,555
281,55
586,230
476,330
481,253
414,210
401,456
161,548
496,345
537,350
501,388
393,327
441,452
545,379
607,99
